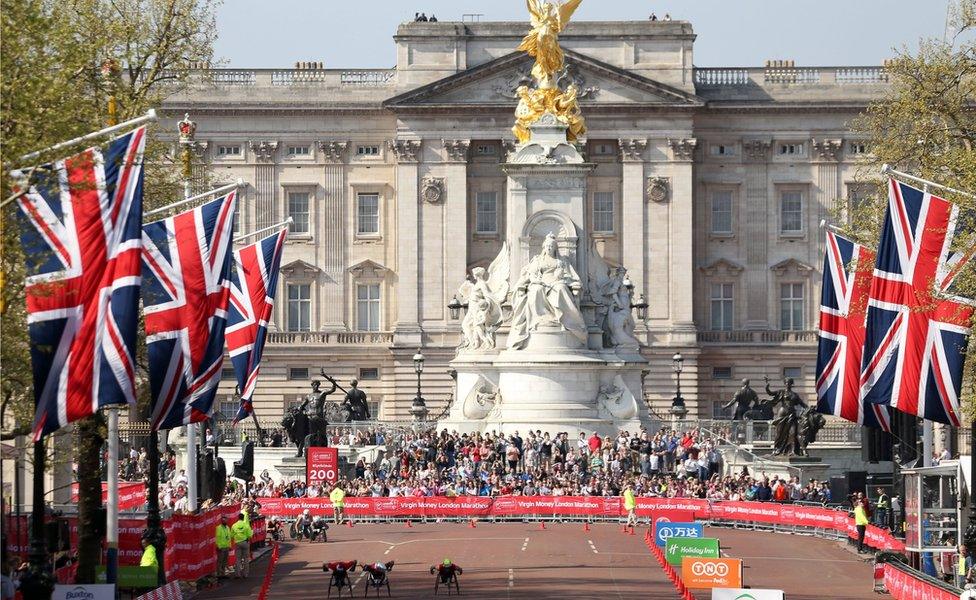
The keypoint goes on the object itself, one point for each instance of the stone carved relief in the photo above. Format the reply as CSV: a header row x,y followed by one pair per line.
x,y
482,401
332,150
405,150
658,189
827,149
557,183
756,149
616,401
632,149
264,151
457,150
683,149
432,189
569,75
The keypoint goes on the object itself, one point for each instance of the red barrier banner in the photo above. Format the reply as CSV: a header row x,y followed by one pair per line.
x,y
321,465
131,494
903,586
190,550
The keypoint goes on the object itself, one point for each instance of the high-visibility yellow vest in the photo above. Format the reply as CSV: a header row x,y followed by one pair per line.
x,y
961,565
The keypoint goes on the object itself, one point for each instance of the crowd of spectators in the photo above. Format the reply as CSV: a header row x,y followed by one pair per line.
x,y
667,463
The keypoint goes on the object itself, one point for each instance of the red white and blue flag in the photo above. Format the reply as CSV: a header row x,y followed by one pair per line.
x,y
186,287
83,247
917,329
843,312
254,281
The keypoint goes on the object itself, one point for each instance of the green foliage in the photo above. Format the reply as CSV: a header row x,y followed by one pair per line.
x,y
926,126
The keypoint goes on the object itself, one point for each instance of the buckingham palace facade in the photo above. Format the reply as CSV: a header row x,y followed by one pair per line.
x,y
710,185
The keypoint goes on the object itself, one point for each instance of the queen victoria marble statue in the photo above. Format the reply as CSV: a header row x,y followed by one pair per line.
x,y
545,295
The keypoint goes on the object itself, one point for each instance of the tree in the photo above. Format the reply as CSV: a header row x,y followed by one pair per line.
x,y
926,126
54,87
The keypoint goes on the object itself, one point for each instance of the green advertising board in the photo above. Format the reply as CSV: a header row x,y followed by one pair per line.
x,y
131,577
677,548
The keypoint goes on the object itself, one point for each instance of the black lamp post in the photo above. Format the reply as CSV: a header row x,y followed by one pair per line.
x,y
419,407
154,532
455,307
38,581
678,410
641,305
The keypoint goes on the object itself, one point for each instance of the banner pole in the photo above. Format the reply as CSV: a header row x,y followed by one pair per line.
x,y
887,170
214,192
186,129
149,116
287,222
112,508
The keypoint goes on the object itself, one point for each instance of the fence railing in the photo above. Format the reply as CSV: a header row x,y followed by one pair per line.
x,y
789,75
761,433
322,338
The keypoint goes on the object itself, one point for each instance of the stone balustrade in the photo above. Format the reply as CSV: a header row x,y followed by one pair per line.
x,y
762,336
229,78
323,338
712,77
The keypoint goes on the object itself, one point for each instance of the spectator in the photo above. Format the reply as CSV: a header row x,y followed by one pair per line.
x,y
241,534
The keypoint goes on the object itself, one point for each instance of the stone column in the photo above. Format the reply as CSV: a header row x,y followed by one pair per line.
x,y
453,239
828,183
633,238
331,246
265,188
682,238
407,331
754,224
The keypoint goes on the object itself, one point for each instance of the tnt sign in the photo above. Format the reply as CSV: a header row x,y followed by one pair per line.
x,y
664,530
321,465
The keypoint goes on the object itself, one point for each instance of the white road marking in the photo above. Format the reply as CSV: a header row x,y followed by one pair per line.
x,y
392,546
592,547
525,544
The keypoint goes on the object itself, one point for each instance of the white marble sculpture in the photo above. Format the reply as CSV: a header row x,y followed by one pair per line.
x,y
546,295
613,299
484,292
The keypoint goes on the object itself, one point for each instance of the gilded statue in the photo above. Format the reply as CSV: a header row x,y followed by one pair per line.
x,y
542,42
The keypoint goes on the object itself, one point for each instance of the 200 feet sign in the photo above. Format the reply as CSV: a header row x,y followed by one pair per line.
x,y
677,548
321,465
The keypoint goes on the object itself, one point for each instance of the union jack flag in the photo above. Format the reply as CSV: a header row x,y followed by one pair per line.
x,y
83,276
917,330
843,311
186,270
254,281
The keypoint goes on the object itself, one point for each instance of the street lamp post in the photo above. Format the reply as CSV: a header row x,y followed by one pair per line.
x,y
419,407
678,410
640,307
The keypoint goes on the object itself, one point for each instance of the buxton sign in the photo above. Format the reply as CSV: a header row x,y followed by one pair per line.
x,y
677,548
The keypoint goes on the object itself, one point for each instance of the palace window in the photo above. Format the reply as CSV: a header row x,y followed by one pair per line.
x,y
228,407
298,373
295,151
791,149
486,149
791,306
369,373
857,148
721,372
603,212
299,306
367,150
723,150
368,307
298,211
722,211
791,211
368,214
486,212
794,373
228,374
721,306
228,150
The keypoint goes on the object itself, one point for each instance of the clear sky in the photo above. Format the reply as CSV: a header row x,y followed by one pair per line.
x,y
359,33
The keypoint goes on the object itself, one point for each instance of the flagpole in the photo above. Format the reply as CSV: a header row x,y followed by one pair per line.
x,y
187,128
112,508
287,222
185,200
887,170
146,118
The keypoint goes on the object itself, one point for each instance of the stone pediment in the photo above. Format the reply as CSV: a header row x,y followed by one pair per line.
x,y
722,267
791,266
300,269
368,269
492,85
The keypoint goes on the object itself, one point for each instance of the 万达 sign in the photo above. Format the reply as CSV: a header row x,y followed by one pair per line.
x,y
663,531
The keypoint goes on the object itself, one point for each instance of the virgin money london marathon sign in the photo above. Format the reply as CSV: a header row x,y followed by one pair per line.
x,y
677,548
664,530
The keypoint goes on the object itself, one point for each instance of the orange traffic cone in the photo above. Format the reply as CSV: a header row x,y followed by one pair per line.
x,y
542,524
586,525
623,528
471,524
349,523
409,524
631,530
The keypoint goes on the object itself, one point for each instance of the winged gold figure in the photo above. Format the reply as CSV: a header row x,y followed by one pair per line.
x,y
542,42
